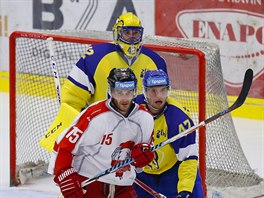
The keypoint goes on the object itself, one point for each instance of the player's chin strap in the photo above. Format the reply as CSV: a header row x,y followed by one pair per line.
x,y
240,100
160,112
150,106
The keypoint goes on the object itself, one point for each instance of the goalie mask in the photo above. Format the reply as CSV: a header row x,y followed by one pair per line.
x,y
128,33
122,83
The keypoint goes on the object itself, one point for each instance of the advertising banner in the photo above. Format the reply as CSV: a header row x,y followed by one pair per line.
x,y
237,27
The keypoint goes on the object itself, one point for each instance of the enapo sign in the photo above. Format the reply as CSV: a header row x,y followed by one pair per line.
x,y
236,26
234,38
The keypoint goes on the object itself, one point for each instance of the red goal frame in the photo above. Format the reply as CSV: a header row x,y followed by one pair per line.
x,y
12,61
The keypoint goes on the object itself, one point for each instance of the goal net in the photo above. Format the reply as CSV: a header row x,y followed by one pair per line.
x,y
194,69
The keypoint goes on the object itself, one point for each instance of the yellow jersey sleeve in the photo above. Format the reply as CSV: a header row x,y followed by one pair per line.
x,y
74,96
187,175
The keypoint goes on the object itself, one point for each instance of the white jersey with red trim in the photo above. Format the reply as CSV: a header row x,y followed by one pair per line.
x,y
99,138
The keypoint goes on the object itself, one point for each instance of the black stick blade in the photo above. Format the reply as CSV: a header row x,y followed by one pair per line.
x,y
245,88
240,100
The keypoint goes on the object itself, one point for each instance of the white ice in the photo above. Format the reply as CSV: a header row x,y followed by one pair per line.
x,y
250,133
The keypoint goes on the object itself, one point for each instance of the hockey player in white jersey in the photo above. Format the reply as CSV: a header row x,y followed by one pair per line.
x,y
103,135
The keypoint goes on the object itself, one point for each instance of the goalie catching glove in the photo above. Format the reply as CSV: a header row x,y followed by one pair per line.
x,y
142,155
70,183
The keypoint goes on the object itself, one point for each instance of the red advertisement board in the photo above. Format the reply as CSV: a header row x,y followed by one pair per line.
x,y
237,27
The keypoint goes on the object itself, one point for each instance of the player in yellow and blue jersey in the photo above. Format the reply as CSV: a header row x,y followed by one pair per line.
x,y
87,82
174,170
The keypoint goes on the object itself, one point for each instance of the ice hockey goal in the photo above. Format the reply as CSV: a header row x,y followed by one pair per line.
x,y
195,71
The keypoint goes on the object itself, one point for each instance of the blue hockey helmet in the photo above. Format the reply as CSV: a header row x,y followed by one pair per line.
x,y
155,78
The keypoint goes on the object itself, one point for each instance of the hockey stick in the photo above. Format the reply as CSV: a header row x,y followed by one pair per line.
x,y
148,189
240,100
54,68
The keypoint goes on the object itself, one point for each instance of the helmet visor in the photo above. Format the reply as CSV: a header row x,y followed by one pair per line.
x,y
123,90
130,35
157,91
119,94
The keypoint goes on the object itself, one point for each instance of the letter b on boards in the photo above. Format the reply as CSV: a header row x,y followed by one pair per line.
x,y
47,15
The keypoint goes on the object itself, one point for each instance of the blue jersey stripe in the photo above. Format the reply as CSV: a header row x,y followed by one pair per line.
x,y
77,83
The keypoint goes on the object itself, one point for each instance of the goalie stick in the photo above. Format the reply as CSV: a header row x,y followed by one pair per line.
x,y
54,68
24,174
240,100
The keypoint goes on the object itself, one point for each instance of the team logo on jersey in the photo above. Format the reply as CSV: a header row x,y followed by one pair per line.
x,y
132,49
161,133
155,162
119,155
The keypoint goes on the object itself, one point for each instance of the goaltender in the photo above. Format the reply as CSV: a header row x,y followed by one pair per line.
x,y
87,82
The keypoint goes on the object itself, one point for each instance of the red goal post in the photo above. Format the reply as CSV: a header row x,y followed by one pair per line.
x,y
197,82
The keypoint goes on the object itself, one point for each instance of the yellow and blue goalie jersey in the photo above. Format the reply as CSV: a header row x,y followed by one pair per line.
x,y
87,82
178,159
